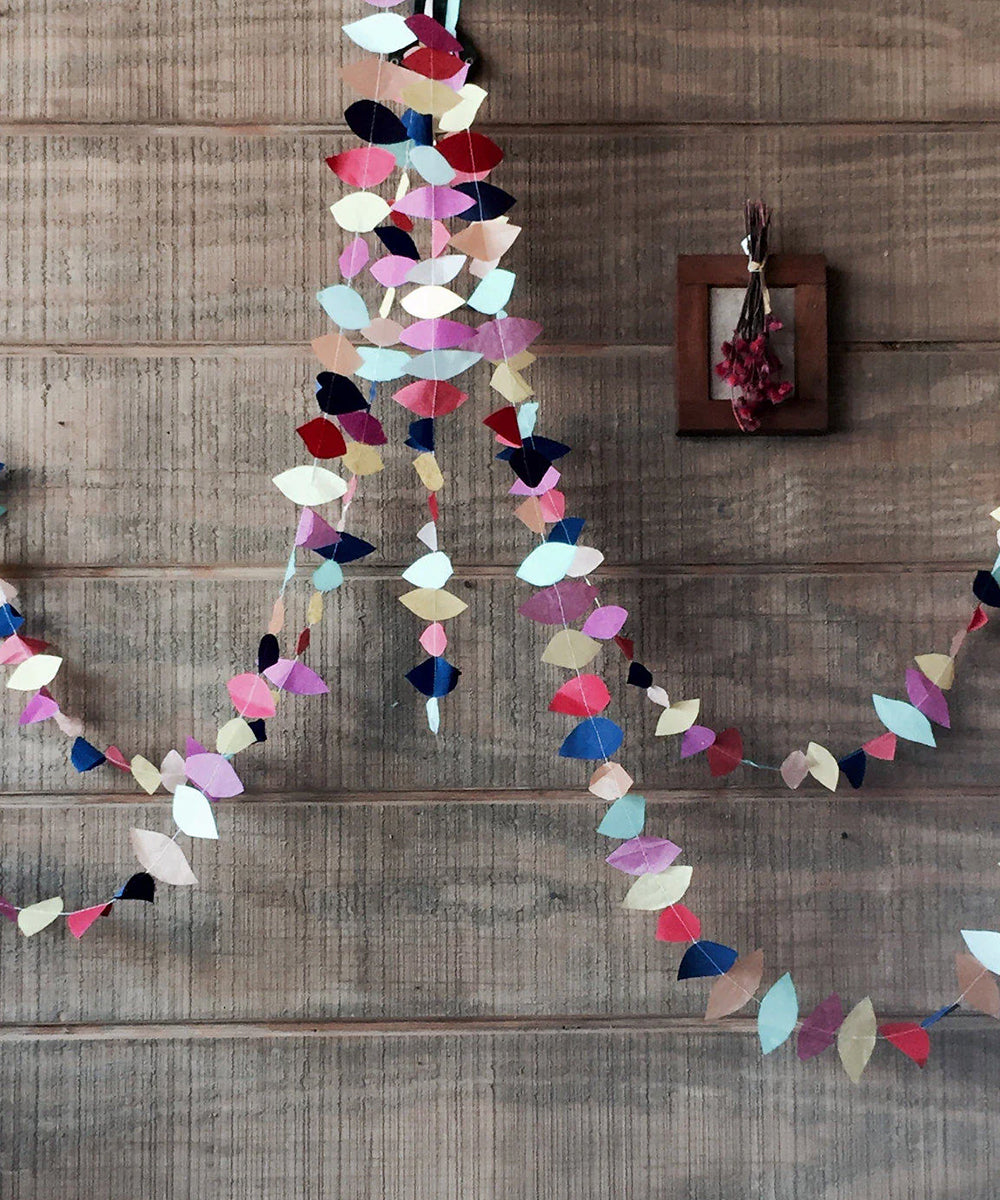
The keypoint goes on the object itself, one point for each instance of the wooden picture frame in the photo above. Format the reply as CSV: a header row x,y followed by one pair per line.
x,y
698,413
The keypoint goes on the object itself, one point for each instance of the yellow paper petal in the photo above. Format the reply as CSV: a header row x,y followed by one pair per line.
x,y
510,384
360,459
856,1038
34,672
570,649
360,212
314,613
145,774
430,97
426,466
234,736
653,892
995,514
939,669
678,717
463,114
35,917
433,604
822,766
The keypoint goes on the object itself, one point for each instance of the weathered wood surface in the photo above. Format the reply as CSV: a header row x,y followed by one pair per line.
x,y
560,1115
99,245
355,909
787,658
125,461
207,61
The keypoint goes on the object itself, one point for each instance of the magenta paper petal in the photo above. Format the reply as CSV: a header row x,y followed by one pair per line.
x,y
550,480
192,747
565,601
40,707
606,621
437,203
8,910
353,258
927,697
503,338
314,532
436,334
643,855
696,739
296,677
819,1029
213,774
363,427
391,271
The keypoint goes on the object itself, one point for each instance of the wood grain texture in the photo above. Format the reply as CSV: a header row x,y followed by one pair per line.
x,y
787,658
114,462
399,911
910,245
209,61
492,1116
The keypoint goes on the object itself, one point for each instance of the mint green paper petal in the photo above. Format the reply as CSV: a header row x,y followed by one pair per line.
x,y
327,576
547,564
904,720
984,945
381,33
431,165
344,306
625,818
379,365
779,1010
492,292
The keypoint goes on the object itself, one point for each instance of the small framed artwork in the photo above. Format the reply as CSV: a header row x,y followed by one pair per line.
x,y
710,294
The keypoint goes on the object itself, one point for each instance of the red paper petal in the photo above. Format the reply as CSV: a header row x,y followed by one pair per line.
x,y
468,151
430,397
504,424
883,747
363,167
678,924
626,646
584,696
909,1038
432,64
978,619
726,753
322,438
117,759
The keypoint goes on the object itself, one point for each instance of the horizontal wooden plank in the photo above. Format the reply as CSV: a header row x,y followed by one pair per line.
x,y
643,61
787,659
124,239
327,911
108,465
490,1116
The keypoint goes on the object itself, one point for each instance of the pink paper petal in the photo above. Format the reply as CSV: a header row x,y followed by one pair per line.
x,y
794,769
440,237
552,506
213,774
251,696
503,338
437,203
40,707
193,747
643,855
79,922
293,676
353,258
606,621
434,640
14,650
314,533
117,759
391,271
695,740
550,480
437,334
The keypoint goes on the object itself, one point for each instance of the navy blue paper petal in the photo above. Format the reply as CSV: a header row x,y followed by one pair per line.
x,y
853,766
421,434
398,242
434,677
567,530
10,620
488,201
527,464
259,729
552,450
986,589
639,676
84,756
140,887
336,394
593,738
419,126
268,652
346,549
373,122
706,958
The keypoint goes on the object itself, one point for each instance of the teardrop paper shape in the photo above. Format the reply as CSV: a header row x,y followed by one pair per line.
x,y
359,212
192,813
559,604
606,621
344,306
726,753
823,767
81,920
172,770
650,893
234,736
34,673
145,774
977,987
705,958
251,696
626,817
853,767
362,167
909,1038
984,944
678,718
584,696
36,917
430,571
214,775
546,564
732,991
593,738
794,769
927,697
904,720
678,924
883,747
381,33
433,604
777,1015
856,1039
696,739
162,857
570,649
310,485
643,855
819,1029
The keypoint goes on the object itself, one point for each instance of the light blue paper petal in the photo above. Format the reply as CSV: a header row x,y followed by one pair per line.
x,y
779,1010
431,165
442,364
433,714
289,570
327,576
984,945
492,292
527,415
547,564
344,306
625,818
381,33
379,365
904,720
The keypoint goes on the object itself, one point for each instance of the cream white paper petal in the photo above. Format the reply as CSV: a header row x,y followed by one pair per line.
x,y
436,271
35,917
34,672
430,570
653,892
431,301
310,485
463,114
360,212
145,774
193,813
162,857
585,560
381,33
234,736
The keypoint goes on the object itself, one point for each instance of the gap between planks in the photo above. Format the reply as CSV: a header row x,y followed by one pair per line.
x,y
426,1027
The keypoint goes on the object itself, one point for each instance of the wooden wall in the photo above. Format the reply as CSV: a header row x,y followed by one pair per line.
x,y
405,974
